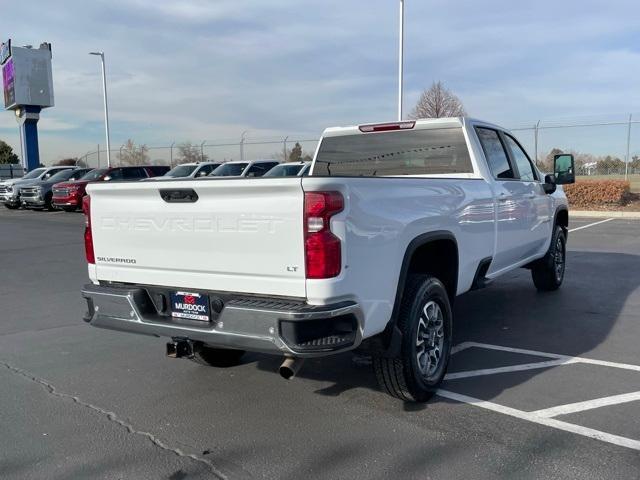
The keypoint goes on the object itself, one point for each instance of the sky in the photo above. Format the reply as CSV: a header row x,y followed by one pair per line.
x,y
199,71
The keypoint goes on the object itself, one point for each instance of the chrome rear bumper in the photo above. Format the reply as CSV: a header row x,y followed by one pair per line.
x,y
248,324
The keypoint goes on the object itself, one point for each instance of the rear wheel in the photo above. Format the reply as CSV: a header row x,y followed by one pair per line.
x,y
548,272
216,357
69,209
426,323
12,207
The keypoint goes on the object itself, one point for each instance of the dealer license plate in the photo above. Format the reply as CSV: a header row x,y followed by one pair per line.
x,y
190,306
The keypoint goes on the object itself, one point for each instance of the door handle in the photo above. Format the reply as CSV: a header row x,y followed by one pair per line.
x,y
179,195
503,197
530,196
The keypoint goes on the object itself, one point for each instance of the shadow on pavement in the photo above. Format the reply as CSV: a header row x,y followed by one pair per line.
x,y
572,321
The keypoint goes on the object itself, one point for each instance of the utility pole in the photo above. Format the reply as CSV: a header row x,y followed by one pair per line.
x,y
242,137
626,160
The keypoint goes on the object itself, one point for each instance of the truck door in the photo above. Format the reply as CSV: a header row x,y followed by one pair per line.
x,y
514,204
539,204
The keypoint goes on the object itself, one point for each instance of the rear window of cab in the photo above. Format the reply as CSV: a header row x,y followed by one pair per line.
x,y
434,151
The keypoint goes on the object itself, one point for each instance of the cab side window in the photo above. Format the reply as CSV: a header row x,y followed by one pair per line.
x,y
525,168
495,153
205,170
115,174
258,170
133,173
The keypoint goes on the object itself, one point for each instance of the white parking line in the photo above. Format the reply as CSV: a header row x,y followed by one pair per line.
x,y
549,422
590,225
544,416
592,361
511,368
588,405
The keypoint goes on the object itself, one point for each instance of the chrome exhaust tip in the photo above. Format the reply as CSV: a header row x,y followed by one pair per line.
x,y
290,367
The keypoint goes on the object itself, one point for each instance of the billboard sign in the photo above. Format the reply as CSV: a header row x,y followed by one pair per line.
x,y
8,83
26,76
5,51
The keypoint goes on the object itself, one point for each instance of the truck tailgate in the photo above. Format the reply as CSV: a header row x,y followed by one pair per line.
x,y
240,235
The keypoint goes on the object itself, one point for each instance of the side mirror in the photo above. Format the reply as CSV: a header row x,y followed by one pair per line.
x,y
549,184
106,179
564,169
202,173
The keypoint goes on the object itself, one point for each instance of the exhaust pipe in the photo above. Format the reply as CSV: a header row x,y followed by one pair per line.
x,y
290,367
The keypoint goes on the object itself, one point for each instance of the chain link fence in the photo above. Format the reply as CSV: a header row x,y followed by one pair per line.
x,y
247,148
604,147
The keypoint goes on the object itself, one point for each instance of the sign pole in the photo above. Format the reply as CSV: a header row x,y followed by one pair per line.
x,y
401,60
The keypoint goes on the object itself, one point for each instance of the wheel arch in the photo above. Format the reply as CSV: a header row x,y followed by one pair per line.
x,y
562,217
441,245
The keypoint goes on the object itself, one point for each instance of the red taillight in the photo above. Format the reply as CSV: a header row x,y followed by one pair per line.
x,y
387,127
88,235
322,248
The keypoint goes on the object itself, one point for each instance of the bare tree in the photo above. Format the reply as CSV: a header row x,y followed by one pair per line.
x,y
189,153
296,153
132,154
437,102
68,162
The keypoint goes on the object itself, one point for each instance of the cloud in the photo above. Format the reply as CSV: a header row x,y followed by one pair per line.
x,y
195,70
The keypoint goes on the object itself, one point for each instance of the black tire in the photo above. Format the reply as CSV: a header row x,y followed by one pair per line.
x,y
12,207
548,272
402,376
217,357
69,209
48,202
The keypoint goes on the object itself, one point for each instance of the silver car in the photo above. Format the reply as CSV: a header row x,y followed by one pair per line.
x,y
10,189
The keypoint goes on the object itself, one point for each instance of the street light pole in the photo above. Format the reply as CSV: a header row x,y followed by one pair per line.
x,y
401,60
106,107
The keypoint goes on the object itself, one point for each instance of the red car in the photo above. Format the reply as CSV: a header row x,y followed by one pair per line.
x,y
68,195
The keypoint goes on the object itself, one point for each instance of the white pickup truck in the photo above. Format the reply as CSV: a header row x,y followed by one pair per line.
x,y
369,251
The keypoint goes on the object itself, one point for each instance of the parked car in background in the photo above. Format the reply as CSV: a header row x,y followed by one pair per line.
x,y
190,170
68,195
39,194
253,168
289,169
10,189
157,170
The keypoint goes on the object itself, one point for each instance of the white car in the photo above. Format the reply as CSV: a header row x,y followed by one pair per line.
x,y
241,168
290,169
190,170
370,250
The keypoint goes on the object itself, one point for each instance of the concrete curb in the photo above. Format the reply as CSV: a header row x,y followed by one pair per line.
x,y
602,214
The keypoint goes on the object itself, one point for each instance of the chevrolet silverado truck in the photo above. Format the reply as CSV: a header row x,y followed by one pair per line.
x,y
39,194
241,168
369,251
10,189
190,170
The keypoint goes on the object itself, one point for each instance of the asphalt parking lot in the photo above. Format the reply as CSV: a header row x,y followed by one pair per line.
x,y
542,385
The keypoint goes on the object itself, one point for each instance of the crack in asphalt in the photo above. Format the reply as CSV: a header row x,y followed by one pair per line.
x,y
38,330
112,417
